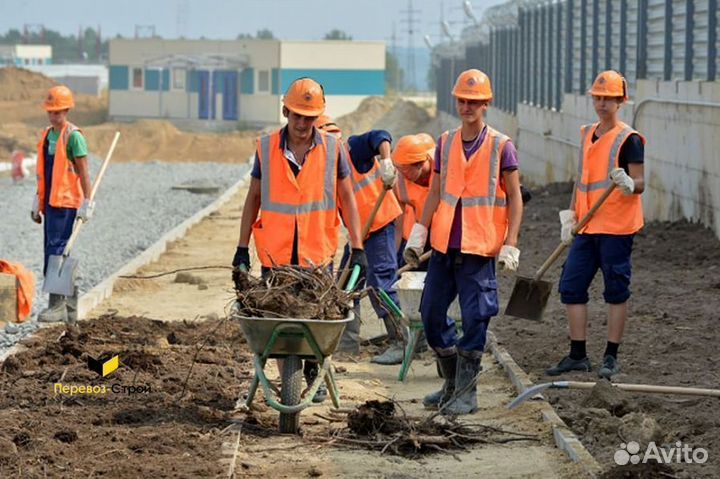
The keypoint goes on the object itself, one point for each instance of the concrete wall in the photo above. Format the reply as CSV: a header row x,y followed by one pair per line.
x,y
682,155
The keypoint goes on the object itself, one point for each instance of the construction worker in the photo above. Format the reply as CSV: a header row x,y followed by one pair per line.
x,y
63,188
299,179
611,152
373,172
413,157
476,208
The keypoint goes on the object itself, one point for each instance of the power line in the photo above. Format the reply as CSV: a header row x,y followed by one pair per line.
x,y
412,20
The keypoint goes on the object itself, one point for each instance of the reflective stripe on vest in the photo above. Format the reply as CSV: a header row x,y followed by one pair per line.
x,y
328,202
614,149
372,176
497,140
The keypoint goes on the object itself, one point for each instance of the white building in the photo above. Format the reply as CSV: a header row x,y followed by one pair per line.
x,y
237,80
25,55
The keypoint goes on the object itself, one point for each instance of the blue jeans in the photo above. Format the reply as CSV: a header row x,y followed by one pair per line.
x,y
590,252
470,277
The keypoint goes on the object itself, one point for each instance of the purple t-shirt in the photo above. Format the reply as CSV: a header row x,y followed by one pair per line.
x,y
508,162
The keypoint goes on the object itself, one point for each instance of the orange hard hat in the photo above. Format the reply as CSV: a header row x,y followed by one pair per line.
x,y
325,123
411,149
305,97
610,83
473,85
59,98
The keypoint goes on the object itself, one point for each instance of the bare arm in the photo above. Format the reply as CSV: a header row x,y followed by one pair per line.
x,y
432,201
81,166
350,211
515,205
250,212
637,173
384,149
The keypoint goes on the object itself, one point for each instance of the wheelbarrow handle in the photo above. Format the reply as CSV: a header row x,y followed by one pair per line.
x,y
581,224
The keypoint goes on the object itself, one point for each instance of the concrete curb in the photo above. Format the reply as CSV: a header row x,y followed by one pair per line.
x,y
104,289
565,439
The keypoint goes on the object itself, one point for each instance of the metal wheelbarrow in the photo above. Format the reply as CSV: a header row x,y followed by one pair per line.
x,y
293,339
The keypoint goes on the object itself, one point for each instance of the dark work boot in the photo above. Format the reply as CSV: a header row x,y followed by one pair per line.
x,y
464,401
568,364
56,312
310,371
72,307
448,366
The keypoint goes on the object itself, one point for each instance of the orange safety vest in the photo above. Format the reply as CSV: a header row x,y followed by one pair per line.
x,y
413,196
308,201
367,188
620,214
477,183
65,190
26,289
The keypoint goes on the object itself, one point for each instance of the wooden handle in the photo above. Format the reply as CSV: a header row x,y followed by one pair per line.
x,y
423,257
366,229
584,221
646,388
77,226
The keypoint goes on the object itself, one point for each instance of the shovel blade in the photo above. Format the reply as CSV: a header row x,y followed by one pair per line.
x,y
529,298
60,275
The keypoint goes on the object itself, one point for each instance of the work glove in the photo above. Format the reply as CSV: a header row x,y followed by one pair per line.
x,y
358,258
242,258
623,181
388,173
86,210
509,258
568,220
35,212
415,244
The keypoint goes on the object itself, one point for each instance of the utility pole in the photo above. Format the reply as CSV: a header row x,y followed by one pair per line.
x,y
411,20
181,18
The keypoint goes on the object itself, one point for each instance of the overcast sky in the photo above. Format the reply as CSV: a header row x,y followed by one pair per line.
x,y
224,19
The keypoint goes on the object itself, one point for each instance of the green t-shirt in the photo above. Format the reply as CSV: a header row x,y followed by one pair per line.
x,y
76,147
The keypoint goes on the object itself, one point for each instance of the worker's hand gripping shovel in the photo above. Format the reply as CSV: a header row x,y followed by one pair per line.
x,y
530,295
62,270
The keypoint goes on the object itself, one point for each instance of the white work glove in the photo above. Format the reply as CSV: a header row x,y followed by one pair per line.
x,y
86,210
415,244
509,258
623,181
388,173
35,212
568,220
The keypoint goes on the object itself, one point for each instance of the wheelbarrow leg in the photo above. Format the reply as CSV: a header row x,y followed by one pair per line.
x,y
256,380
332,385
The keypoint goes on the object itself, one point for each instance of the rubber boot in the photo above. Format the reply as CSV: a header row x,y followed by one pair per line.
x,y
465,399
394,354
72,307
310,371
56,310
448,366
350,339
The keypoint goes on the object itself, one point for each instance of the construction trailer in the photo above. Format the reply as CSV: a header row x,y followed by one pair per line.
x,y
221,82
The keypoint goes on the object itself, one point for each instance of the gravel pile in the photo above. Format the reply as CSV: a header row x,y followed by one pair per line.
x,y
135,206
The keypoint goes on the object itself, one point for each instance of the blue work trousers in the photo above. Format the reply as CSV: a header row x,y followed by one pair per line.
x,y
472,278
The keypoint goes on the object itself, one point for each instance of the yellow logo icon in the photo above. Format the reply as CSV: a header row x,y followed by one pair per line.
x,y
104,365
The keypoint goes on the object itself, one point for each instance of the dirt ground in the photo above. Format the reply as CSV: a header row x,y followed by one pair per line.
x,y
155,326
670,338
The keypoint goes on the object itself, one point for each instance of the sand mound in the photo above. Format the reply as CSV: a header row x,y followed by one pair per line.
x,y
19,84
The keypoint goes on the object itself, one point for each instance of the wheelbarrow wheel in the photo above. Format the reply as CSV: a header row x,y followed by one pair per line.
x,y
290,393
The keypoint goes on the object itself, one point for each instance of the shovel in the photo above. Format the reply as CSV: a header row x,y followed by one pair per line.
x,y
62,270
530,295
640,388
421,259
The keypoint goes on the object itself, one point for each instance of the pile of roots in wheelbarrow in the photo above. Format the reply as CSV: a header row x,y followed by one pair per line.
x,y
291,292
384,426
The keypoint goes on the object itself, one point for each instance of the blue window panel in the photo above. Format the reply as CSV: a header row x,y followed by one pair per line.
x,y
192,81
152,79
119,77
275,81
247,78
338,82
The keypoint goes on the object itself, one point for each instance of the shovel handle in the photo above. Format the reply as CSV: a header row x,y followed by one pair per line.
x,y
423,257
366,229
648,388
581,224
79,222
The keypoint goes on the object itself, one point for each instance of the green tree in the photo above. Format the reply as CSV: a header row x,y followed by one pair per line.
x,y
265,34
66,49
394,75
336,34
